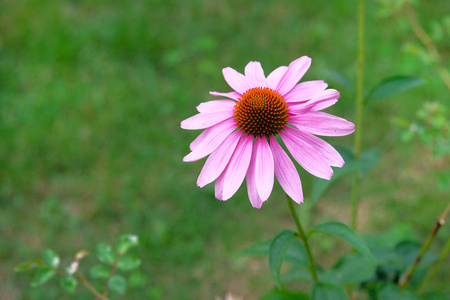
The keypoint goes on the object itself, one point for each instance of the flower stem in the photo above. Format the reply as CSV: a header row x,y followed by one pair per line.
x,y
403,282
359,112
303,237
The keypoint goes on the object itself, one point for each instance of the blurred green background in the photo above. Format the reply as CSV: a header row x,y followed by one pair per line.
x,y
91,98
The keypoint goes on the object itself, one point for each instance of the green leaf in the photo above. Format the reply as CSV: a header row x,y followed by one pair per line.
x,y
393,85
29,265
42,276
297,273
350,269
347,234
339,78
99,272
392,291
51,258
105,253
277,294
128,262
126,242
296,253
118,284
367,160
68,283
436,295
390,238
322,291
277,252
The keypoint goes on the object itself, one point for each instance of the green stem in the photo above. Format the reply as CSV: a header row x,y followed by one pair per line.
x,y
409,273
359,111
303,237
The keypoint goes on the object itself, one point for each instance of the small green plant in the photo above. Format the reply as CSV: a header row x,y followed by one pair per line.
x,y
111,261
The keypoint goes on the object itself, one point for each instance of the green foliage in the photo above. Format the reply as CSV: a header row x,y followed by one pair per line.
x,y
277,253
392,86
366,161
347,234
105,253
68,283
277,294
47,268
325,291
118,284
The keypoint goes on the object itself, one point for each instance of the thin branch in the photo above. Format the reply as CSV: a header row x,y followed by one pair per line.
x,y
89,286
403,282
427,41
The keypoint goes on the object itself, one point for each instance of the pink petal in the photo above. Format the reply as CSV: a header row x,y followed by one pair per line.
x,y
324,104
330,154
255,75
326,99
274,78
255,200
236,169
264,168
235,80
286,172
305,91
210,139
218,160
204,120
294,73
320,123
307,156
216,106
218,186
231,95
306,106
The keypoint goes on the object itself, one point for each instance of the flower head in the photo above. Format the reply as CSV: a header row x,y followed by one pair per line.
x,y
240,132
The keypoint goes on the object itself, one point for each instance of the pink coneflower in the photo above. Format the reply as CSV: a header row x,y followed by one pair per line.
x,y
240,133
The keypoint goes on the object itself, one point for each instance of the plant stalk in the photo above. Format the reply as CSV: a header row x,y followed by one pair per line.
x,y
404,280
87,285
359,112
303,237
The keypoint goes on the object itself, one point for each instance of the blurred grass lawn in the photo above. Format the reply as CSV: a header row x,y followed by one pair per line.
x,y
91,97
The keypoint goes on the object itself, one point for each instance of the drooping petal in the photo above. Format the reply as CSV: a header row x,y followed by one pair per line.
x,y
237,167
216,106
255,75
235,80
274,78
264,168
305,91
330,154
210,139
294,73
255,200
320,123
218,160
307,156
218,186
231,95
286,172
204,120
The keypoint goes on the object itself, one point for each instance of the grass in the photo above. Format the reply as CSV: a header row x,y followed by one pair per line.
x,y
91,97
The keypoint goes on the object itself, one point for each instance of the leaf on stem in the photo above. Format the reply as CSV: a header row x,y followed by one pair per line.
x,y
29,265
51,258
42,276
277,252
118,284
68,283
105,253
325,291
128,262
277,294
391,86
347,234
99,272
126,242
